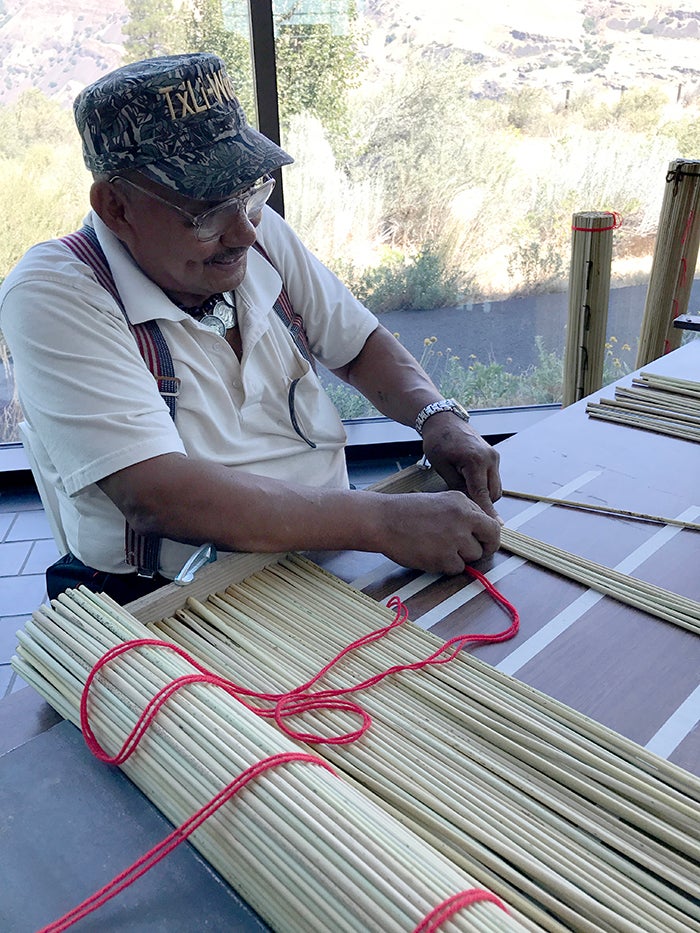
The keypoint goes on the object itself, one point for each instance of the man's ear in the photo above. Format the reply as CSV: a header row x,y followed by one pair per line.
x,y
112,207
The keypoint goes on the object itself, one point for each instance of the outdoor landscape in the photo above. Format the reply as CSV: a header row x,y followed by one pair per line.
x,y
440,148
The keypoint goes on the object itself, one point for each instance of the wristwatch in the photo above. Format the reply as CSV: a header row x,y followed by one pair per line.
x,y
445,404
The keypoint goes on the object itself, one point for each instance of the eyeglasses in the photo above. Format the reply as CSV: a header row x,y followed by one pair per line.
x,y
212,223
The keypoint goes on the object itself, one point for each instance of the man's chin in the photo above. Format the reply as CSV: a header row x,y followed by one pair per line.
x,y
230,271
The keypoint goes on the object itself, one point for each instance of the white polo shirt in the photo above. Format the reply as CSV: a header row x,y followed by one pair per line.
x,y
95,408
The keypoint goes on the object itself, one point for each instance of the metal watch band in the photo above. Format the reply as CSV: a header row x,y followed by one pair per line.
x,y
445,404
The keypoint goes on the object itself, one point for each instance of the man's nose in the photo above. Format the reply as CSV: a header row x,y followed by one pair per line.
x,y
238,230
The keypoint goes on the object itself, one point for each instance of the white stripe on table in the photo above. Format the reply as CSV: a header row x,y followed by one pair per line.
x,y
676,727
563,620
437,613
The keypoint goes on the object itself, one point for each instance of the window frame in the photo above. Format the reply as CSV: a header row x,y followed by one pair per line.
x,y
371,437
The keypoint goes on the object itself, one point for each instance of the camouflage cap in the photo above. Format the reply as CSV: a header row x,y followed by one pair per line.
x,y
176,120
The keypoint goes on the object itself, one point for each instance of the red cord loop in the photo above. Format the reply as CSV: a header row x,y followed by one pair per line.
x,y
298,700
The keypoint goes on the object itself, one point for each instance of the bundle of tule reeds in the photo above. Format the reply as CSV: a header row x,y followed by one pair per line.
x,y
661,404
465,778
589,294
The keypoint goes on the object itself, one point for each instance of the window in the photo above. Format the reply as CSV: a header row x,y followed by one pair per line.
x,y
440,174
441,151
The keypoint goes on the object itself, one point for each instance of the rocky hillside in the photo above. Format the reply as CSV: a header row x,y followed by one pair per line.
x,y
602,45
58,46
607,45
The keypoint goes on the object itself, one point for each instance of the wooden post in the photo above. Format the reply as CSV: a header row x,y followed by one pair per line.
x,y
589,294
673,265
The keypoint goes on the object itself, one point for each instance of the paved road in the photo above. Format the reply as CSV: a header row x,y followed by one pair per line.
x,y
505,331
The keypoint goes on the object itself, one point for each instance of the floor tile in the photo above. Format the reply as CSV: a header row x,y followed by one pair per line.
x,y
9,681
17,684
5,675
23,594
42,555
13,555
29,526
6,519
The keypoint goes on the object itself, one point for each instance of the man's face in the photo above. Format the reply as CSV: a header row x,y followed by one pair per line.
x,y
164,245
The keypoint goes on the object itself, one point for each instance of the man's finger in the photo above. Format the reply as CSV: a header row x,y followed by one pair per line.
x,y
495,486
480,496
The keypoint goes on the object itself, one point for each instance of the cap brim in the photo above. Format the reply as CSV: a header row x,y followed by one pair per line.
x,y
218,169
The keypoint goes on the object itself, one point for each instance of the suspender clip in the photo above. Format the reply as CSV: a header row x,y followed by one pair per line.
x,y
168,386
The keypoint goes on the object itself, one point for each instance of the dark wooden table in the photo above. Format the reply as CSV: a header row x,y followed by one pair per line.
x,y
630,671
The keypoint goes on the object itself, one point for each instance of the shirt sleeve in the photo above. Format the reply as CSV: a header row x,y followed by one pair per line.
x,y
83,385
336,323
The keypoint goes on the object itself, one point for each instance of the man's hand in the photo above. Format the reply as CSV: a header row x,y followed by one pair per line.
x,y
195,501
386,373
463,459
436,532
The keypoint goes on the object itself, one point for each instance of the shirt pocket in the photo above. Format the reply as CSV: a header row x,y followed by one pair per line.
x,y
312,415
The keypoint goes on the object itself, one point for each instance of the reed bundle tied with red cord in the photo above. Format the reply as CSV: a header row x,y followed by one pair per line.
x,y
302,844
572,826
674,261
589,295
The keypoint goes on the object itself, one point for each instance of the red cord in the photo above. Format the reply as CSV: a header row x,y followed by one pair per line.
x,y
286,704
616,222
163,848
449,907
295,701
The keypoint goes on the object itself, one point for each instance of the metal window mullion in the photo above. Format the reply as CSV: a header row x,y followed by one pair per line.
x,y
262,46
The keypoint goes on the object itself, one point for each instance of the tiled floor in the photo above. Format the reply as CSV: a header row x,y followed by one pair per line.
x,y
27,549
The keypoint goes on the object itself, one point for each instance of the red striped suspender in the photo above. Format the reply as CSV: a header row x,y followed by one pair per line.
x,y
142,551
148,336
292,321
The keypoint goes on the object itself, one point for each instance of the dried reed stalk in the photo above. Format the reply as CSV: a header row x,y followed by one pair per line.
x,y
589,292
659,404
598,507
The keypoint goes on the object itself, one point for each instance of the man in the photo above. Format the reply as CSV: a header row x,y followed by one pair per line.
x,y
243,448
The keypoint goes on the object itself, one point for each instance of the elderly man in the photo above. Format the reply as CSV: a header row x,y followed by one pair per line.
x,y
183,273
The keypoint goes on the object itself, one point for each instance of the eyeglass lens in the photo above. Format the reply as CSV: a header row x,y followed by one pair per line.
x,y
216,221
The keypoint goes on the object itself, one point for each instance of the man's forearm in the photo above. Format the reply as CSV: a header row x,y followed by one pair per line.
x,y
398,386
387,375
197,502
